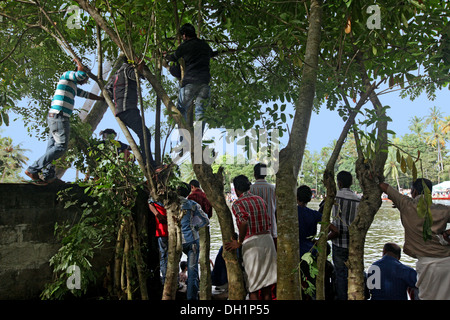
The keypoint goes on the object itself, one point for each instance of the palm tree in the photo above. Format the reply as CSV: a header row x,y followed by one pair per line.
x,y
417,126
436,138
11,159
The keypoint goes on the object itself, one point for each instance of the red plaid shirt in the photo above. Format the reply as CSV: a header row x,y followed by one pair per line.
x,y
200,197
252,209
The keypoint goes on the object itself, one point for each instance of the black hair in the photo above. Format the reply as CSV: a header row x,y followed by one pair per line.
x,y
418,185
394,249
257,170
304,194
188,30
107,131
194,183
183,265
183,189
345,178
241,183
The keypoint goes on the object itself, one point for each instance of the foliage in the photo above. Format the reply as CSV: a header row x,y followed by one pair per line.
x,y
110,198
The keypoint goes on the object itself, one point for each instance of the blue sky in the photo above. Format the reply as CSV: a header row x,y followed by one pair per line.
x,y
324,127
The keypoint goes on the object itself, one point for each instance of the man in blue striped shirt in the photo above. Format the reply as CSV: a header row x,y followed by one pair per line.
x,y
59,123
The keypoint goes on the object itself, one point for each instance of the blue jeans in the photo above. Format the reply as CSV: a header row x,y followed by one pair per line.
x,y
340,256
187,94
163,244
192,252
132,119
58,142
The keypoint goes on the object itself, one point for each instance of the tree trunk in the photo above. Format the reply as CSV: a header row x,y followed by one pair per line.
x,y
330,185
288,287
212,185
369,172
174,216
205,269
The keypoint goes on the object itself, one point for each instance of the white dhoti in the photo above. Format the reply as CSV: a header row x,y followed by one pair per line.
x,y
433,278
260,261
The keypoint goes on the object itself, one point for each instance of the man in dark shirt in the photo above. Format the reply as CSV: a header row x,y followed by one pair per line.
x,y
122,88
196,54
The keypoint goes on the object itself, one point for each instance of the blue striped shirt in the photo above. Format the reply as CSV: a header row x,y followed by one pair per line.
x,y
66,90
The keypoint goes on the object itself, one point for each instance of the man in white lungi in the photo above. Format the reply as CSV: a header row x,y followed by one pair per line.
x,y
433,255
258,249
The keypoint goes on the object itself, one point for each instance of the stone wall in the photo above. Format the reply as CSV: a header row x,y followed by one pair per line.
x,y
28,214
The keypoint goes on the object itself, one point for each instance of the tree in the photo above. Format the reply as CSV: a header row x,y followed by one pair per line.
x,y
12,159
435,137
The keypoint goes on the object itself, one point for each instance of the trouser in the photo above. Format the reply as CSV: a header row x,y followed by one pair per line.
x,y
340,256
192,252
59,126
433,278
187,94
163,245
132,119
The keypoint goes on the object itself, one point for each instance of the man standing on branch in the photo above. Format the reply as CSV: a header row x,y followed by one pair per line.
x,y
59,123
196,54
122,88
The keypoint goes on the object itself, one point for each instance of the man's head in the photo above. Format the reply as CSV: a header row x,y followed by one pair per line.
x,y
260,171
418,187
183,190
80,67
108,134
392,249
241,184
304,194
187,30
344,179
194,184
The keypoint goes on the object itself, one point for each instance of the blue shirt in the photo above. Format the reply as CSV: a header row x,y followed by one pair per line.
x,y
194,219
307,227
395,279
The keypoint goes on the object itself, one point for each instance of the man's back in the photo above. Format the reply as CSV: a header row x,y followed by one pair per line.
x,y
395,279
415,246
344,212
251,208
196,54
123,88
200,197
194,219
267,192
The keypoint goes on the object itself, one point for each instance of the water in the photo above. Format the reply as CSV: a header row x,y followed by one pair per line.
x,y
386,227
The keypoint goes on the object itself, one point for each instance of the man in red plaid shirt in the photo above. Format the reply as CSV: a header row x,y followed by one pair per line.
x,y
258,249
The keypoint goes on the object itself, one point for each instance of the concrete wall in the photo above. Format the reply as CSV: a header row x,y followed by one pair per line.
x,y
28,214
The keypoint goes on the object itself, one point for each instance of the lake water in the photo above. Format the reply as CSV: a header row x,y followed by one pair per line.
x,y
386,227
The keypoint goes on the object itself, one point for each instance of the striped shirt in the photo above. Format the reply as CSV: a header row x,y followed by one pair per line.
x,y
267,191
252,209
66,90
344,212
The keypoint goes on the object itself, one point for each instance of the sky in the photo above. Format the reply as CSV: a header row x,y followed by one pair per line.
x,y
324,127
